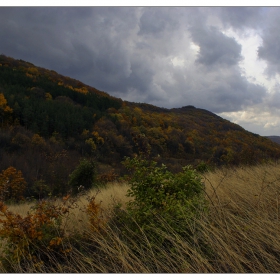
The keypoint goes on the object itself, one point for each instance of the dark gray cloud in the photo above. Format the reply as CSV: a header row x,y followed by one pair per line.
x,y
235,94
270,49
42,35
215,47
155,21
222,90
167,56
240,17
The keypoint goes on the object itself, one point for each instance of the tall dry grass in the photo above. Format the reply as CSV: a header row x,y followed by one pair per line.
x,y
243,223
239,233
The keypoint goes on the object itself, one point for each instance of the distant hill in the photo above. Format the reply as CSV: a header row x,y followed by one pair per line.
x,y
49,122
275,139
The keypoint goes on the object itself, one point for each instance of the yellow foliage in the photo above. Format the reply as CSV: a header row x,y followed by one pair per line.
x,y
83,90
38,141
4,108
92,144
32,70
85,133
95,134
70,87
138,111
48,96
97,137
29,75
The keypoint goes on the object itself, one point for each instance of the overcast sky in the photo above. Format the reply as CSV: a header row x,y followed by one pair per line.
x,y
222,59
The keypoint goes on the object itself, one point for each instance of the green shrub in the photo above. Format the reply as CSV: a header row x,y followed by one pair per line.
x,y
203,167
40,189
161,195
84,175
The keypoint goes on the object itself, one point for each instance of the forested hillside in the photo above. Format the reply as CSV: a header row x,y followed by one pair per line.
x,y
50,122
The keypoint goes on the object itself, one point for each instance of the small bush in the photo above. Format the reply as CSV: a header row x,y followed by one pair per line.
x,y
203,167
84,175
44,239
37,236
93,211
12,184
175,198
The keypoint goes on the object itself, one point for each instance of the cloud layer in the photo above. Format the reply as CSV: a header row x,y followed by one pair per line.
x,y
166,56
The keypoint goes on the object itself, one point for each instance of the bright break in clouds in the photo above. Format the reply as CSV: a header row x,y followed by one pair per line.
x,y
223,59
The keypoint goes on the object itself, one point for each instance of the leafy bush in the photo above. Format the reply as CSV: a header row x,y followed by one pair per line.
x,y
161,195
84,175
203,167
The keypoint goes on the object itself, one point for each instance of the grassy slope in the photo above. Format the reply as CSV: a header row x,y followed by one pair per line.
x,y
241,228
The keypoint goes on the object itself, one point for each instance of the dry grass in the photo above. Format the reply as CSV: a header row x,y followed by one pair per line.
x,y
239,233
243,223
107,197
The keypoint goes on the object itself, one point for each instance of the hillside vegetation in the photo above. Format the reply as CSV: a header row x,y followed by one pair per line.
x,y
50,123
238,232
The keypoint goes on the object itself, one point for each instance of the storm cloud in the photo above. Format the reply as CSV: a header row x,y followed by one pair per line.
x,y
216,49
270,50
166,56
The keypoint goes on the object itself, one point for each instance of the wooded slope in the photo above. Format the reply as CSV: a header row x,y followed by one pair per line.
x,y
49,122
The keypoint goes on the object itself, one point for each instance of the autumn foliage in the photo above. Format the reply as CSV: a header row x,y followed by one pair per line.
x,y
27,236
12,184
42,234
93,210
5,110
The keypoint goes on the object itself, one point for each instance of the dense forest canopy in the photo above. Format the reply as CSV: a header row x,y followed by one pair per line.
x,y
49,122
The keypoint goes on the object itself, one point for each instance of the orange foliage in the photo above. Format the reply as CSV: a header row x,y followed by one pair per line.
x,y
110,176
42,233
40,228
12,184
93,210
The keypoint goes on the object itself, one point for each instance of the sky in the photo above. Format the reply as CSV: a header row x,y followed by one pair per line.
x,y
222,59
